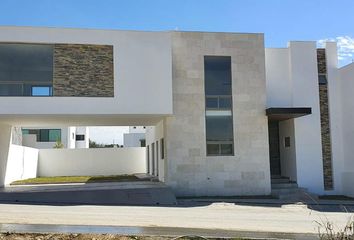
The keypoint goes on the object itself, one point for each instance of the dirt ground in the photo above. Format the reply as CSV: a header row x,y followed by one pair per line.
x,y
56,236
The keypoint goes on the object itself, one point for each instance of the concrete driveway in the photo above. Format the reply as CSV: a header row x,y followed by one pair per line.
x,y
290,218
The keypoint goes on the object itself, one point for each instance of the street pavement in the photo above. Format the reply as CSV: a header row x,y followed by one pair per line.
x,y
272,218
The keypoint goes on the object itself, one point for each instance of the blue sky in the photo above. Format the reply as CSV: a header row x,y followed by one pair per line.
x,y
280,20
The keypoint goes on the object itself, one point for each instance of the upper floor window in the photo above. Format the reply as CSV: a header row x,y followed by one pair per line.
x,y
217,82
26,69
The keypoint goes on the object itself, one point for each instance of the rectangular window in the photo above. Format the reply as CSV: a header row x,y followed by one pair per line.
x,y
218,104
153,158
287,142
162,148
157,150
49,135
80,137
148,158
322,79
142,142
23,66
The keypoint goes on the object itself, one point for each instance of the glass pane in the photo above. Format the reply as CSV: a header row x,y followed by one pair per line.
x,y
219,128
10,89
44,135
211,102
41,91
26,62
25,131
225,103
217,72
322,79
54,135
226,149
213,149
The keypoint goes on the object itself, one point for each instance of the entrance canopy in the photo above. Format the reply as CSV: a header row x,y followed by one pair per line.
x,y
280,114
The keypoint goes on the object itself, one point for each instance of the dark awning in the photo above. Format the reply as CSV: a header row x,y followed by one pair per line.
x,y
287,113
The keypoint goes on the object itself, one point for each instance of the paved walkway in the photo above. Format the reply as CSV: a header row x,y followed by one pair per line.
x,y
290,218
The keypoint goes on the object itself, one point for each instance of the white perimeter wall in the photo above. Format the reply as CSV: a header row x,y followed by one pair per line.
x,y
93,161
21,164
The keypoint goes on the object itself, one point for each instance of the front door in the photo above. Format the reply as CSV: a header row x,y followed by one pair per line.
x,y
274,153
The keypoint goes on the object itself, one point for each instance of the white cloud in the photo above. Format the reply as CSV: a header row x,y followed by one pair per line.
x,y
345,46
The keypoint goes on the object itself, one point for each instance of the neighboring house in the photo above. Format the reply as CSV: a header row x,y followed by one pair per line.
x,y
135,137
41,138
226,114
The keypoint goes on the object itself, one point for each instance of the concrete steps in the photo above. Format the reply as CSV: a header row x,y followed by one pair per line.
x,y
283,188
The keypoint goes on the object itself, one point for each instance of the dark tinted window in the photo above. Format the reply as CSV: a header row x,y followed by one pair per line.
x,y
322,79
219,128
217,72
23,66
162,148
80,137
49,135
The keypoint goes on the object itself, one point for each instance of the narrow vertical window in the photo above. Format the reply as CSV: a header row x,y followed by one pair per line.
x,y
162,148
218,105
153,158
148,158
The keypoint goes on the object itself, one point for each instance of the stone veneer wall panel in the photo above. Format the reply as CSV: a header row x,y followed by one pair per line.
x,y
189,171
83,70
325,126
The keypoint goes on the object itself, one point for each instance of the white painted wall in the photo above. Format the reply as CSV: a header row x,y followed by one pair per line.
x,y
304,78
84,143
154,134
287,154
92,161
279,87
22,163
142,74
132,139
335,116
292,81
347,109
137,129
5,140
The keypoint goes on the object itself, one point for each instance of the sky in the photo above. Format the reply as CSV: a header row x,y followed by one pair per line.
x,y
280,20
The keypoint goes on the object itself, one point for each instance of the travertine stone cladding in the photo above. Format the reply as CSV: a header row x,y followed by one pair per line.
x,y
83,70
189,171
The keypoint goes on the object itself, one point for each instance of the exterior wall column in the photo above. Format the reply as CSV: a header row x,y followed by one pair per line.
x,y
5,141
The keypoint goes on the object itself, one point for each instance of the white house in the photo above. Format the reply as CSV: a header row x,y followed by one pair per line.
x,y
227,116
135,137
46,137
